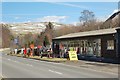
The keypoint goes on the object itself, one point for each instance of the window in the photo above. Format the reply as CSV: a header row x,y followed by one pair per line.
x,y
110,45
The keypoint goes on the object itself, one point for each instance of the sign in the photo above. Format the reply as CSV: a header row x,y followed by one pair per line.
x,y
16,41
32,46
72,55
39,46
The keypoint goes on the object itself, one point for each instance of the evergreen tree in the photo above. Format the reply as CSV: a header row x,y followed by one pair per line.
x,y
46,41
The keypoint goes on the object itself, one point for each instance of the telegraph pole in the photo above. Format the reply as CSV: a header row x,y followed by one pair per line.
x,y
119,10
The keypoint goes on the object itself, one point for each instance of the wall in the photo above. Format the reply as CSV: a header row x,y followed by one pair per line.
x,y
118,42
108,53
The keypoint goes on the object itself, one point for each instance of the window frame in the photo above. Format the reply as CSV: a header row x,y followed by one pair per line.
x,y
110,45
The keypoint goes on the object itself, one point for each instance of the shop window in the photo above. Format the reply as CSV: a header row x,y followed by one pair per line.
x,y
110,45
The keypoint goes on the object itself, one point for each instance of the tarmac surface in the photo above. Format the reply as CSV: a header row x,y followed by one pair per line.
x,y
18,67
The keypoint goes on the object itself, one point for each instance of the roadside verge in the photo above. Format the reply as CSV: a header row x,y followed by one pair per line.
x,y
42,59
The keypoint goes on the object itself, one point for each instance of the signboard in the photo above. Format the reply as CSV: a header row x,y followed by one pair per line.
x,y
39,46
16,41
73,55
32,46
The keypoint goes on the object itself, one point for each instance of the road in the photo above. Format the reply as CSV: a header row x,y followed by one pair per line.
x,y
17,67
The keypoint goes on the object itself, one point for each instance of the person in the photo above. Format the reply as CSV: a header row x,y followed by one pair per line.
x,y
60,52
25,52
78,50
15,51
49,52
68,49
65,52
28,52
38,51
31,52
22,51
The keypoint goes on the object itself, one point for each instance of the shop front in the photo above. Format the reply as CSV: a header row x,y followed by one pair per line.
x,y
99,43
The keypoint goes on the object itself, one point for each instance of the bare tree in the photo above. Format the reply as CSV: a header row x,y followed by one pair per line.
x,y
28,38
6,35
87,17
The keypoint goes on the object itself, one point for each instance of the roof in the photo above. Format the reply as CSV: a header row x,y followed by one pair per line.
x,y
89,33
113,15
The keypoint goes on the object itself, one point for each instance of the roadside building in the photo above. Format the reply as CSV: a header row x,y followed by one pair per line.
x,y
100,43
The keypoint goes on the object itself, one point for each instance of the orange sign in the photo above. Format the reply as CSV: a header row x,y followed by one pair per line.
x,y
32,46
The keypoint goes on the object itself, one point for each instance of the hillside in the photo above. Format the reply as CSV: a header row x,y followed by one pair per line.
x,y
33,27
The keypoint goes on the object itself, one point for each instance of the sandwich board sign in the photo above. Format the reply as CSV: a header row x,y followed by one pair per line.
x,y
73,55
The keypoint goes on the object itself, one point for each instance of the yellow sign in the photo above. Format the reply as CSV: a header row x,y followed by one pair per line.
x,y
73,55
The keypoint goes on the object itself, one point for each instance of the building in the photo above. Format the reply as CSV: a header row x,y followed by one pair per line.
x,y
100,43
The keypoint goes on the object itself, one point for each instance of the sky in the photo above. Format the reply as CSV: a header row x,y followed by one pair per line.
x,y
61,12
59,0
